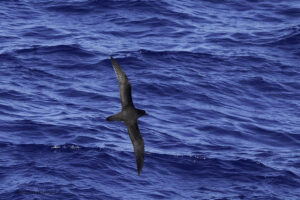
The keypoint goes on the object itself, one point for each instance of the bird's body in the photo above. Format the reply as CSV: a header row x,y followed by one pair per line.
x,y
129,115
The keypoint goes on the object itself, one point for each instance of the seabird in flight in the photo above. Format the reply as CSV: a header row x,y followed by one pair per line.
x,y
129,115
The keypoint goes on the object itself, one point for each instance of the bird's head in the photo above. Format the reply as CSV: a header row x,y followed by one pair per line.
x,y
141,112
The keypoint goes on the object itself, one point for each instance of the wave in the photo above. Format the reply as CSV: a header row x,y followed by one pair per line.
x,y
183,165
288,36
263,85
84,7
217,79
44,32
63,50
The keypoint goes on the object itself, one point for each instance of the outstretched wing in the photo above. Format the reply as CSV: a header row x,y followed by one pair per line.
x,y
138,144
125,88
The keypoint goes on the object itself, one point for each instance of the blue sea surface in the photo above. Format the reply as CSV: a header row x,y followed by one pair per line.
x,y
220,81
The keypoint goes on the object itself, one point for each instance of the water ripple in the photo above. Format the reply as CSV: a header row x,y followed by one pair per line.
x,y
219,81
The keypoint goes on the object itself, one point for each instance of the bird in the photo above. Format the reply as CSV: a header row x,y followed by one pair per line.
x,y
129,115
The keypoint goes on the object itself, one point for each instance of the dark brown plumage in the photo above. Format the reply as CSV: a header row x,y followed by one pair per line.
x,y
129,115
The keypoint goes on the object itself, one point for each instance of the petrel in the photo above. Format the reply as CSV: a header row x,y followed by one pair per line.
x,y
129,115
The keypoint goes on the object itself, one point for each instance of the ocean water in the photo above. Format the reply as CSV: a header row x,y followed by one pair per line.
x,y
220,81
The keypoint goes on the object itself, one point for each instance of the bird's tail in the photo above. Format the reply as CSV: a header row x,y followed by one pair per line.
x,y
116,117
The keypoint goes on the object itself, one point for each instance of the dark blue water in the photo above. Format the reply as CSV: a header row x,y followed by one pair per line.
x,y
220,81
